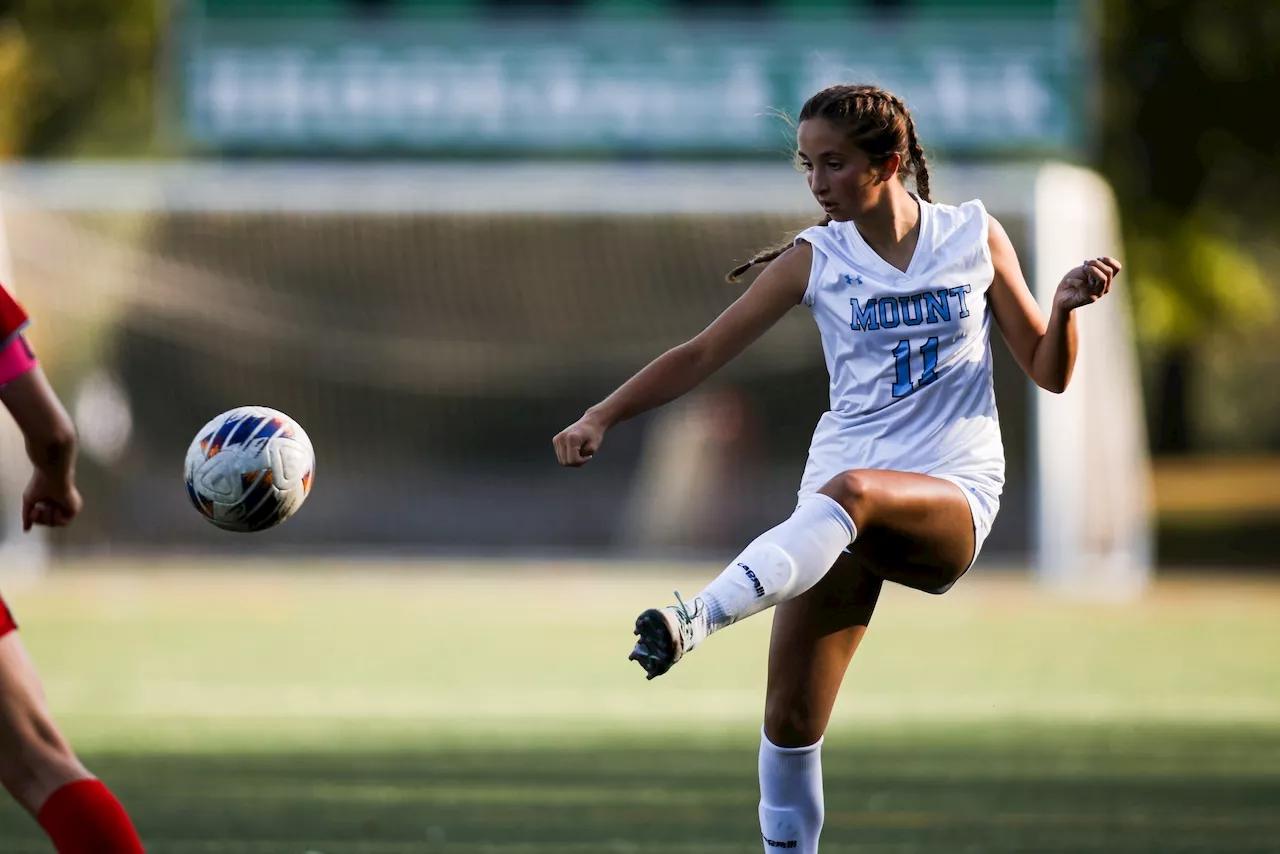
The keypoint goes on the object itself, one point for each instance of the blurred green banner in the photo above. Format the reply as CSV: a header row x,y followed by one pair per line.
x,y
581,86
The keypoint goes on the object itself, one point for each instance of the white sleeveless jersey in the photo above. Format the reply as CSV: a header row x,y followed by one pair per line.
x,y
908,353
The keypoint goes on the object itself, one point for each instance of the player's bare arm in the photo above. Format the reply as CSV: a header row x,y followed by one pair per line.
x,y
51,497
1046,351
776,291
49,433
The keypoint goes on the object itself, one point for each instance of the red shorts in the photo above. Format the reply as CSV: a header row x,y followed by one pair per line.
x,y
7,623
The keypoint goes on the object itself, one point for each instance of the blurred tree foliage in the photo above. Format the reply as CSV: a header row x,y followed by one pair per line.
x,y
1189,143
78,76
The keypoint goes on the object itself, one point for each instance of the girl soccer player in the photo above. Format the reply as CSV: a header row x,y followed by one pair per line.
x,y
905,471
37,766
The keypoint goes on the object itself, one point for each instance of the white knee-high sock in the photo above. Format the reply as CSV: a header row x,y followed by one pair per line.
x,y
781,563
791,804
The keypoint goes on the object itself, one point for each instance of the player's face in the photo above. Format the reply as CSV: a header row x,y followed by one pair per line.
x,y
840,174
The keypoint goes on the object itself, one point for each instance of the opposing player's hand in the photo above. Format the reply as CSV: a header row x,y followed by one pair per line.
x,y
578,442
49,502
1086,284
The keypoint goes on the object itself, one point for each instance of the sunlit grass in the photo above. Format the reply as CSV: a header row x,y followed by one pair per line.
x,y
474,707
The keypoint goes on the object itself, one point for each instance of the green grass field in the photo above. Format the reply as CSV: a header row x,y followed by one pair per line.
x,y
342,709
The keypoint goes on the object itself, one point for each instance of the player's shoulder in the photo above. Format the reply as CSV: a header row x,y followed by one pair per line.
x,y
819,235
801,247
965,212
795,262
791,267
966,222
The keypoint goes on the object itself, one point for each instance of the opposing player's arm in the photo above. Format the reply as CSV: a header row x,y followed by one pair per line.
x,y
49,433
51,498
1046,351
777,290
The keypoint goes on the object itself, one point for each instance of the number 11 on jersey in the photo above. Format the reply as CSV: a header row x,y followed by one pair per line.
x,y
902,385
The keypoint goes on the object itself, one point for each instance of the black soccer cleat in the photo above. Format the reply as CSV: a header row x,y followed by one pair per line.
x,y
656,650
666,634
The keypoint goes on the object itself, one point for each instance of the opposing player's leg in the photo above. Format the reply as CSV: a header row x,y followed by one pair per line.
x,y
35,760
928,518
814,638
38,768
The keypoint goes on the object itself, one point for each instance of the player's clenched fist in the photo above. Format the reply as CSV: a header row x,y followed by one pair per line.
x,y
1086,284
578,442
50,501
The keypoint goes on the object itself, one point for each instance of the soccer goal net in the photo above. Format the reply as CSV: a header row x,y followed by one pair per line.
x,y
433,326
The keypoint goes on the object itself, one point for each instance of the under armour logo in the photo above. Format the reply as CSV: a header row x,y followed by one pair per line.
x,y
849,280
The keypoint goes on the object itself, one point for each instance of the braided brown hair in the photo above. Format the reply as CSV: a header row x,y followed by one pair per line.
x,y
878,123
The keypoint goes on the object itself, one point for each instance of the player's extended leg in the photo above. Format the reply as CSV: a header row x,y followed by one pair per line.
x,y
39,769
814,638
928,517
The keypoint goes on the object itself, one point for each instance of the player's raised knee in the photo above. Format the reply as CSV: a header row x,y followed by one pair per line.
x,y
854,489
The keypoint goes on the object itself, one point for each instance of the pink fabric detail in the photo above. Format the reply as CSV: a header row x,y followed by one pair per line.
x,y
15,360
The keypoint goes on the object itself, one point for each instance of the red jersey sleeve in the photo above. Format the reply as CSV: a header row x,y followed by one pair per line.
x,y
13,318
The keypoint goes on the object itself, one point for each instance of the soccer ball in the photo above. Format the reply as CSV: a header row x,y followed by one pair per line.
x,y
249,469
